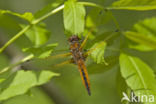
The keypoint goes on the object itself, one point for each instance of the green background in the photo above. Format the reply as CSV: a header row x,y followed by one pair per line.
x,y
103,85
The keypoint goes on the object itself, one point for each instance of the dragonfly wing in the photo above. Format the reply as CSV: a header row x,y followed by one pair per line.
x,y
63,63
59,56
84,75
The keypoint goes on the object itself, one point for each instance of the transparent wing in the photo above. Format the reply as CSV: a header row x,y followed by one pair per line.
x,y
59,56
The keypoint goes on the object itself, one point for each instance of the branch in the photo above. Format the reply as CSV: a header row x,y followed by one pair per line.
x,y
50,89
12,50
34,22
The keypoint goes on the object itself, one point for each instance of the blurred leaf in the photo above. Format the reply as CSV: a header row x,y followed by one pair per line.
x,y
22,81
134,5
41,52
106,35
97,17
74,17
94,68
37,34
97,52
141,39
27,16
138,75
89,22
141,47
48,8
147,26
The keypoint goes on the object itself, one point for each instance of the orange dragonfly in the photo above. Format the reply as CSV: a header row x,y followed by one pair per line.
x,y
78,58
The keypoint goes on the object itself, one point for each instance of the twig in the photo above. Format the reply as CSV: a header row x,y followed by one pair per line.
x,y
18,63
50,89
12,50
29,26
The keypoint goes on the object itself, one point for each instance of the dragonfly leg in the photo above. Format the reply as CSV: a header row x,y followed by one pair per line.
x,y
85,40
63,63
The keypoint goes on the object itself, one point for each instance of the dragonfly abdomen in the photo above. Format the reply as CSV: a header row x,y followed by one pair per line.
x,y
79,60
84,75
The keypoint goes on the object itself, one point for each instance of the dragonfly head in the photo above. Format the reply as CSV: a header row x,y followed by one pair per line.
x,y
73,38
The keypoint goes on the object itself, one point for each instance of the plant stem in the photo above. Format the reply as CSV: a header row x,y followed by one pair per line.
x,y
29,26
14,38
91,4
101,7
48,14
18,63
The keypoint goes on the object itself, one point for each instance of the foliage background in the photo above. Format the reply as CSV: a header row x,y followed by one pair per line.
x,y
103,85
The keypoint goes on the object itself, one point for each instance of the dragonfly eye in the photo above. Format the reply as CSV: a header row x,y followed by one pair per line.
x,y
73,38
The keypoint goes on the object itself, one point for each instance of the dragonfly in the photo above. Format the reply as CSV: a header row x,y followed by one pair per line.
x,y
78,57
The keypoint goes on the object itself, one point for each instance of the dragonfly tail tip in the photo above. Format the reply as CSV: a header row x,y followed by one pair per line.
x,y
89,92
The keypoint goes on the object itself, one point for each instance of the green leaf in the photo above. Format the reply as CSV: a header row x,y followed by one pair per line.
x,y
37,34
41,52
134,4
74,17
20,82
140,38
147,26
141,47
27,16
97,52
45,76
138,75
